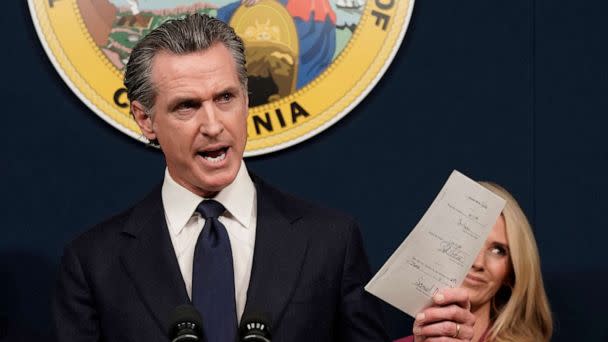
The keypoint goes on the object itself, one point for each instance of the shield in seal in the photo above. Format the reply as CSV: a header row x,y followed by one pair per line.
x,y
309,62
270,35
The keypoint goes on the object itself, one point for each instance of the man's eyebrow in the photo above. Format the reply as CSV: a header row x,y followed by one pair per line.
x,y
193,98
229,89
181,99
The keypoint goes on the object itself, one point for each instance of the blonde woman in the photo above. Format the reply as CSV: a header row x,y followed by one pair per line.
x,y
504,284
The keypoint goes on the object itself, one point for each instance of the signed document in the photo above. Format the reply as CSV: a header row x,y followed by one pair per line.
x,y
441,248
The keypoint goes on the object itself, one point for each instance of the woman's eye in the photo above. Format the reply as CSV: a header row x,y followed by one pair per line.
x,y
497,250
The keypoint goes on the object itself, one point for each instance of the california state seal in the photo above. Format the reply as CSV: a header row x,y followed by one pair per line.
x,y
309,62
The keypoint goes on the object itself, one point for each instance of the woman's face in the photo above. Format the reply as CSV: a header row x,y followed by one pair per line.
x,y
491,268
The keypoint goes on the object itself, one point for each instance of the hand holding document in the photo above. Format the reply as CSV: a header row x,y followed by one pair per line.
x,y
441,248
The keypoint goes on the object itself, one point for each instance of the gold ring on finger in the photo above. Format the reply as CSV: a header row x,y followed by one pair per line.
x,y
457,331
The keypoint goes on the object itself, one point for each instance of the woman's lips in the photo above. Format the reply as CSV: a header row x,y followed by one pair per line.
x,y
474,279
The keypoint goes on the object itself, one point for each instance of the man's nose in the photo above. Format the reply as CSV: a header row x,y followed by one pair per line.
x,y
211,123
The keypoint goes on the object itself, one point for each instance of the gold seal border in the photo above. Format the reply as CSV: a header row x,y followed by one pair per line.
x,y
342,106
70,75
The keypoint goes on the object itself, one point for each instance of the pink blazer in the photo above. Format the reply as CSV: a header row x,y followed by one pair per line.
x,y
411,338
406,339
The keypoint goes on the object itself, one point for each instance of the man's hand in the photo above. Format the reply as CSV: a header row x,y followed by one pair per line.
x,y
448,319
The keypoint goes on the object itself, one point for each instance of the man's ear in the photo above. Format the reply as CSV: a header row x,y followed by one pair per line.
x,y
144,121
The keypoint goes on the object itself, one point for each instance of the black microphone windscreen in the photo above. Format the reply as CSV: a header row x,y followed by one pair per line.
x,y
255,327
185,324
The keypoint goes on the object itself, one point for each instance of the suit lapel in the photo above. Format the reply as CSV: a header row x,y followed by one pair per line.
x,y
150,260
280,249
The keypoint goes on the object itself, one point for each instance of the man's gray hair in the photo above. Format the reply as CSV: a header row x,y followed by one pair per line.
x,y
195,32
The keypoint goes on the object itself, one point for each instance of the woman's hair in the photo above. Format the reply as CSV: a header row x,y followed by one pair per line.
x,y
520,312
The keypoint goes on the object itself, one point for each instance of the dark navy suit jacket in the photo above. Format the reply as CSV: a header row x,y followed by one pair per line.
x,y
120,281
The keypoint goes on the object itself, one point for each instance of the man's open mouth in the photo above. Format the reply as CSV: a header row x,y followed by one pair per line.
x,y
214,156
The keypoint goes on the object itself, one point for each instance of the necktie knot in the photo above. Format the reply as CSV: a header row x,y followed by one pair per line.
x,y
210,209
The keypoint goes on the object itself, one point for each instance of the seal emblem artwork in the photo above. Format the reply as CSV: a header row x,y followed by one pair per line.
x,y
309,62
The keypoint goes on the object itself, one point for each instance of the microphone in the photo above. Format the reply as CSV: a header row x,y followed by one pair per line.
x,y
185,324
255,328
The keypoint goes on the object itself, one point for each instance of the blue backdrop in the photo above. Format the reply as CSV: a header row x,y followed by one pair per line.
x,y
512,91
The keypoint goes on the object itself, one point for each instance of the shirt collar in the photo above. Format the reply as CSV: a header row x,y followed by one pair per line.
x,y
179,203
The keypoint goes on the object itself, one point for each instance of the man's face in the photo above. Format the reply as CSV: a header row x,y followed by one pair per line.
x,y
199,117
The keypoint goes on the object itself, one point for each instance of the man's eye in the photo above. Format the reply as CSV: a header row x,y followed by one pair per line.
x,y
225,97
186,105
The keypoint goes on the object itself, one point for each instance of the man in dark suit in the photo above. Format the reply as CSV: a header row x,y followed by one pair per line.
x,y
303,265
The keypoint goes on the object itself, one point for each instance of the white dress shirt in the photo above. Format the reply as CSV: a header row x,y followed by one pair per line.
x,y
185,225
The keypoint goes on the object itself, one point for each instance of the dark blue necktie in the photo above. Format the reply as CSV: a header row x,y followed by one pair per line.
x,y
213,276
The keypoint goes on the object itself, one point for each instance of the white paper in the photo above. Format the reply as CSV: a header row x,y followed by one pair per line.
x,y
440,250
